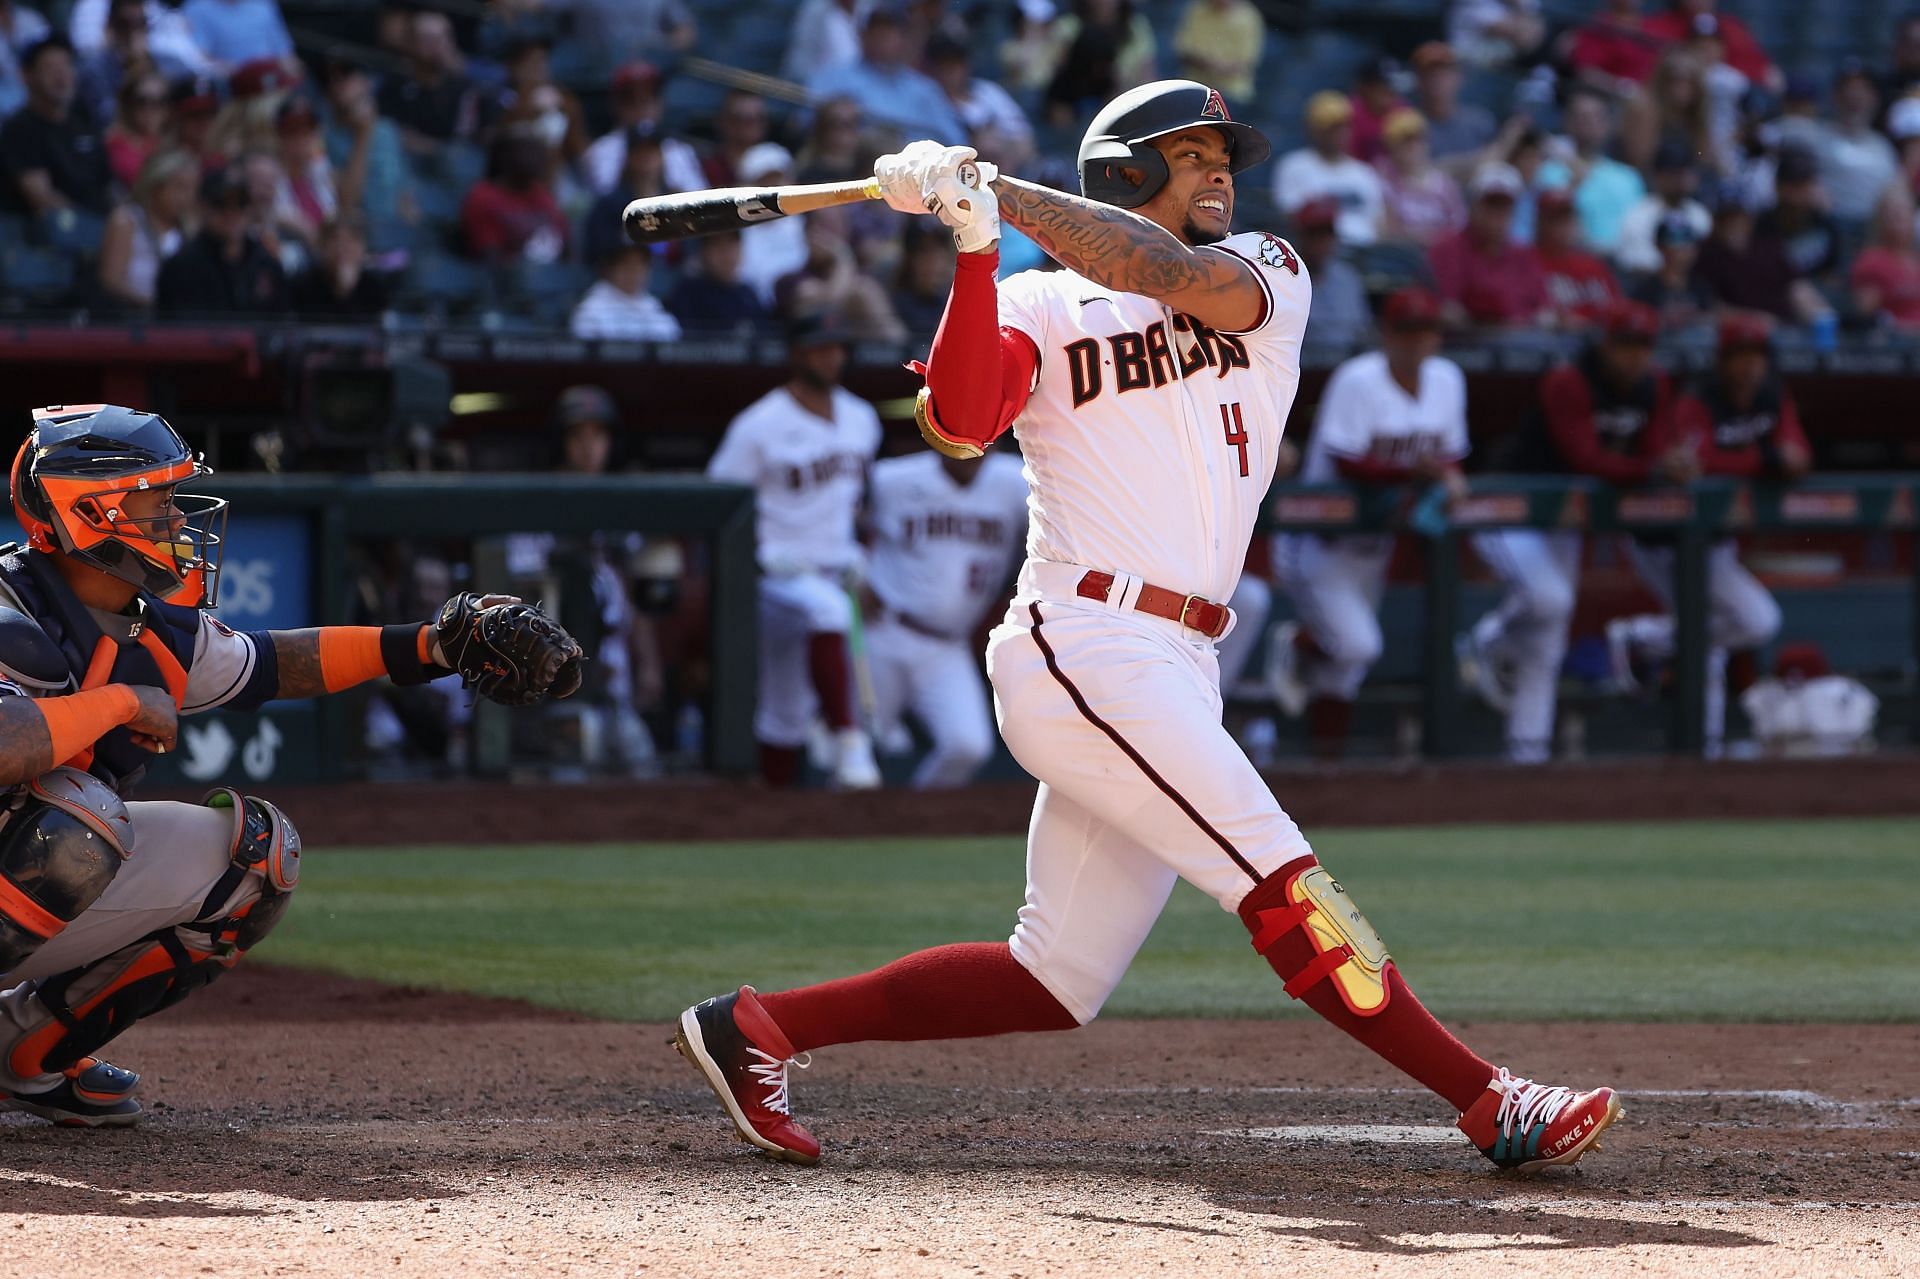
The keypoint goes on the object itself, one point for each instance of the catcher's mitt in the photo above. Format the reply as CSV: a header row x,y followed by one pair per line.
x,y
510,653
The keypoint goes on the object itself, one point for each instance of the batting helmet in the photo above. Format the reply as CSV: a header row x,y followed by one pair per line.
x,y
70,479
1118,139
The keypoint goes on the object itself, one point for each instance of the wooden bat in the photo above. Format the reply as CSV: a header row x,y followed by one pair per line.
x,y
686,214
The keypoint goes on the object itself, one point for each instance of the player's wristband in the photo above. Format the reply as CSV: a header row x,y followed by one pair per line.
x,y
351,655
78,720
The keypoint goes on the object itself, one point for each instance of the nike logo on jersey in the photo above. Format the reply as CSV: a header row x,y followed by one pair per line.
x,y
1143,360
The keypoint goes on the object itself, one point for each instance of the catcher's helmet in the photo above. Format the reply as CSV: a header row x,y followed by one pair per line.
x,y
1119,135
69,482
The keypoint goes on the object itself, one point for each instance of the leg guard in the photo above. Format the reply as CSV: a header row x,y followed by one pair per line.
x,y
263,838
1344,947
61,844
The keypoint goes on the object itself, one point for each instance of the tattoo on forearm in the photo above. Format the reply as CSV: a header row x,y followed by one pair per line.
x,y
26,748
299,654
1112,246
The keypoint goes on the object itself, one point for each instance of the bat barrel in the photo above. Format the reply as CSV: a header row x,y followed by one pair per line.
x,y
659,218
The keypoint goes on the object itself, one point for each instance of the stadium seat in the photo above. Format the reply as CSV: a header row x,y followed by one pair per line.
x,y
35,274
447,282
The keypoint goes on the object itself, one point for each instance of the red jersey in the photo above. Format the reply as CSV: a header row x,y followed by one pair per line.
x,y
1496,289
1601,429
1579,284
1743,441
1626,51
1741,51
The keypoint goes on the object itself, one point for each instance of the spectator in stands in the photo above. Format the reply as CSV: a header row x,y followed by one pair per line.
x,y
1749,272
990,116
366,152
104,72
274,224
147,230
1454,129
834,150
825,37
1324,168
1856,163
20,29
170,41
620,31
139,126
618,306
1903,126
714,301
223,270
1799,123
51,157
433,103
770,250
1901,78
1580,287
1484,278
1495,33
1340,315
1672,113
829,281
1886,276
1726,88
636,100
196,107
1374,99
306,196
249,121
1675,180
643,174
1603,188
1422,203
1613,52
338,285
1743,53
1109,48
511,214
1678,296
233,33
886,86
922,283
530,95
1031,56
741,125
1800,222
1219,44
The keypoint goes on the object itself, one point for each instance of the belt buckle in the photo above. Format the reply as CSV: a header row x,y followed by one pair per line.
x,y
1186,606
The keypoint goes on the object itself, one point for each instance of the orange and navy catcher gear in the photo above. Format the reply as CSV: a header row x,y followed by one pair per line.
x,y
1118,137
70,479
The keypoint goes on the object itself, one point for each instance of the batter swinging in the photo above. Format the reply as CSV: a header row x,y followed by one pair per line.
x,y
1148,384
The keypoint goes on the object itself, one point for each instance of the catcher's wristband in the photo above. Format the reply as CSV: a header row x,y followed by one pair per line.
x,y
351,655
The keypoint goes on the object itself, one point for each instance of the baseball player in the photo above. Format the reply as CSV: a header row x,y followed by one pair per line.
x,y
1393,416
946,533
1609,413
1148,384
113,910
805,448
1743,423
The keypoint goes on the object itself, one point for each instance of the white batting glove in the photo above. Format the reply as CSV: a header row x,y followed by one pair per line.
x,y
959,191
902,173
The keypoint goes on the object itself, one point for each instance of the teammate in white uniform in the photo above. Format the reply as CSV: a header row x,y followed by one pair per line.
x,y
945,535
805,448
1148,383
1393,416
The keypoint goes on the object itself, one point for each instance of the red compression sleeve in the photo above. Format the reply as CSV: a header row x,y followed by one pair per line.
x,y
980,372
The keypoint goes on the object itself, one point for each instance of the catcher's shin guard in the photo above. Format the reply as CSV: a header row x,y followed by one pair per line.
x,y
61,843
1341,946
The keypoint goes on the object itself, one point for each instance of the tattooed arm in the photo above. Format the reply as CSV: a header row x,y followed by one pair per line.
x,y
299,654
1121,250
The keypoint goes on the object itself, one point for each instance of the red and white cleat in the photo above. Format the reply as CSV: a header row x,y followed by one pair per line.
x,y
744,1056
1523,1125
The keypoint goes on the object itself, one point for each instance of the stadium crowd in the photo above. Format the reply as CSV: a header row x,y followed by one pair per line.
x,y
194,160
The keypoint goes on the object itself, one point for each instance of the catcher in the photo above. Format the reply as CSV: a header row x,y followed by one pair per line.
x,y
113,910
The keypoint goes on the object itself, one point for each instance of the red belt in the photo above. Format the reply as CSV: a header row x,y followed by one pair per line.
x,y
885,614
1190,611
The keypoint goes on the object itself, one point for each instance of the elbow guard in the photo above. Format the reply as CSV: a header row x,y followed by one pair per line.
x,y
938,440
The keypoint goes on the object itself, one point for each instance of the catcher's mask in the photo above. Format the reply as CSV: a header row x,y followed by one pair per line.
x,y
1119,136
71,479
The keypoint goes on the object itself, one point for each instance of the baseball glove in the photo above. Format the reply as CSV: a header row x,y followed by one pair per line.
x,y
510,653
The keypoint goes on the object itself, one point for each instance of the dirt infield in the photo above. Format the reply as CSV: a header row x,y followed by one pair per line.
x,y
321,1127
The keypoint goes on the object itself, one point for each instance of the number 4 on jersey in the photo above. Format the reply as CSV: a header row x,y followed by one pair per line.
x,y
1236,428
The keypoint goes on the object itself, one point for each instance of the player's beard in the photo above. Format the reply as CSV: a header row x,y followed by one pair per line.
x,y
1196,236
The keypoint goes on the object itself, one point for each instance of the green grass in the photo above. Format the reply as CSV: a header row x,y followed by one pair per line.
x,y
1768,921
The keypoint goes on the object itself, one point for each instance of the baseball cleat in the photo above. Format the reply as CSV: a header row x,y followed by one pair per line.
x,y
93,1094
1283,670
1480,674
1522,1125
856,769
732,1041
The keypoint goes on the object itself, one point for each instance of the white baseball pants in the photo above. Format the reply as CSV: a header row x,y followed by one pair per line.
x,y
1528,629
1336,584
791,609
1118,715
938,682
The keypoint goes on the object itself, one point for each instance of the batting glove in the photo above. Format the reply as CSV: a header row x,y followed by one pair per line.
x,y
902,173
959,191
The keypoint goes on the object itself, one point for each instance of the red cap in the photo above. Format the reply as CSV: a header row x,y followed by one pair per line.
x,y
1803,660
1634,320
1555,200
1317,215
636,75
261,76
1745,332
1411,309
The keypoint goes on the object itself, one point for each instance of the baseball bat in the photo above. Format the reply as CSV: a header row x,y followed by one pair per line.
x,y
686,214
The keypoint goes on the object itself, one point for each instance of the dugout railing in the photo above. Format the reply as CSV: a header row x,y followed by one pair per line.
x,y
1694,517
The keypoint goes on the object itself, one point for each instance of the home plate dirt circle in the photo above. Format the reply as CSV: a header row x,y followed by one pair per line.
x,y
312,1126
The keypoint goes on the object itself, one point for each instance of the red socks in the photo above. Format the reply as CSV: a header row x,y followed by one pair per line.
x,y
1404,1032
1329,720
832,673
961,991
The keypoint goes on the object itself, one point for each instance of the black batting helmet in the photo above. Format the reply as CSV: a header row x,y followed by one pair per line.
x,y
1119,135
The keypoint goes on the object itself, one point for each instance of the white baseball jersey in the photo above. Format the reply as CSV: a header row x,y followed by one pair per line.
x,y
1150,439
807,474
941,550
1365,414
